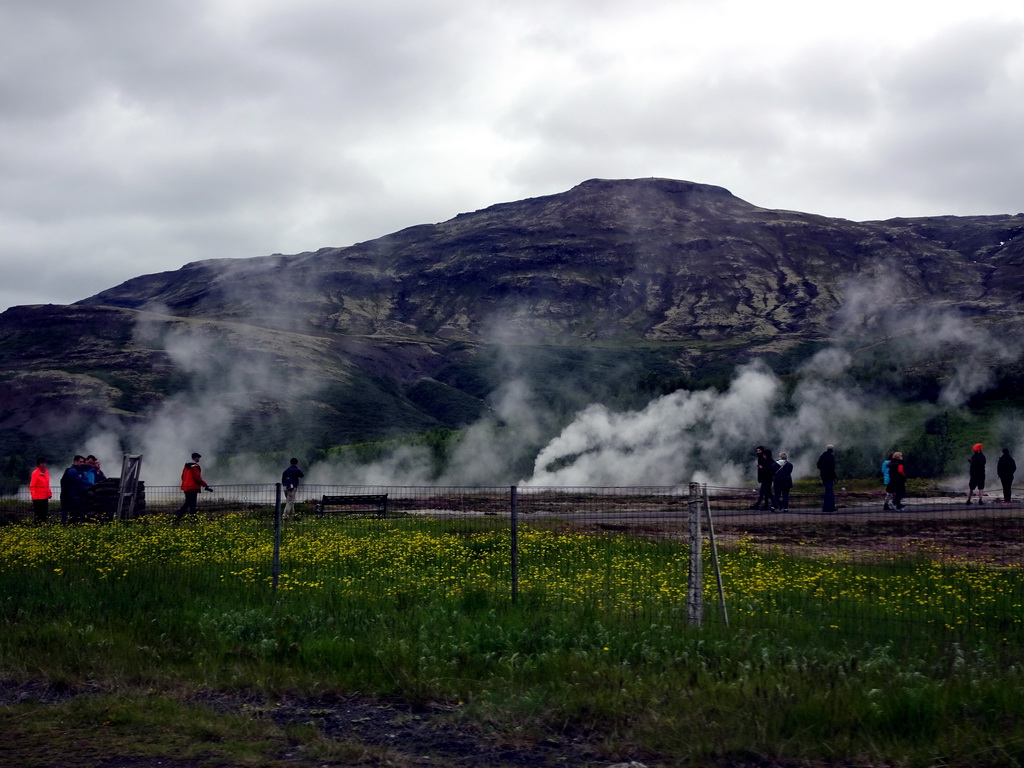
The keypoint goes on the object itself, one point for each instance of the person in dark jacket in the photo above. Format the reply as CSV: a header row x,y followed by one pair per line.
x,y
765,471
1005,468
191,483
976,466
827,472
782,482
897,479
72,487
290,482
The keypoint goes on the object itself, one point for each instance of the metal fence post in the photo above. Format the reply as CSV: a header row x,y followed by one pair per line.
x,y
277,537
714,555
695,585
514,499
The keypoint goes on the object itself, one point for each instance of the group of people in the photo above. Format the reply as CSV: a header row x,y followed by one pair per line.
x,y
1006,468
894,478
192,483
775,479
83,474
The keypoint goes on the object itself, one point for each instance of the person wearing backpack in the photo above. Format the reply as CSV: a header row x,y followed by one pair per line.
x,y
897,480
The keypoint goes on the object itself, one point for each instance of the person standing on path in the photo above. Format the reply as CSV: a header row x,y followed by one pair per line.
x,y
40,492
191,483
782,482
290,480
897,480
765,470
1005,468
977,471
827,472
72,487
885,482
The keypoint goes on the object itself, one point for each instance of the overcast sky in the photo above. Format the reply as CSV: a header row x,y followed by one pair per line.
x,y
139,135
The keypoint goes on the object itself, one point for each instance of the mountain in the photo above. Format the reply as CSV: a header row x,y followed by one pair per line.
x,y
612,291
645,260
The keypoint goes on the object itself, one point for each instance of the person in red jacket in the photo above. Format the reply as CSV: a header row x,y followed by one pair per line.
x,y
40,492
191,483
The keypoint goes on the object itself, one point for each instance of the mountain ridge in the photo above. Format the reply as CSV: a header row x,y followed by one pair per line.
x,y
545,257
611,288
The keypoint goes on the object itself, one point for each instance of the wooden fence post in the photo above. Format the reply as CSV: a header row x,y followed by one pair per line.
x,y
695,585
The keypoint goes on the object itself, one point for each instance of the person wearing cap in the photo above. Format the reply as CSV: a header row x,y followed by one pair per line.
x,y
977,478
191,483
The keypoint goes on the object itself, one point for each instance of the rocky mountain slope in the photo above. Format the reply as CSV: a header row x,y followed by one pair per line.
x,y
609,291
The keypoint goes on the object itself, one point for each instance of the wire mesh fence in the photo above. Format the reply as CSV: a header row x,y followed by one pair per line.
x,y
938,564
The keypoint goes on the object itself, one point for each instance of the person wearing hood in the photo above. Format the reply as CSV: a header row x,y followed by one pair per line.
x,y
191,483
782,482
1005,468
976,465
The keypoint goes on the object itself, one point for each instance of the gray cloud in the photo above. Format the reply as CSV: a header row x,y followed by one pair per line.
x,y
138,137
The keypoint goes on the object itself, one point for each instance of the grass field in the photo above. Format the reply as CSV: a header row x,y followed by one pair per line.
x,y
154,641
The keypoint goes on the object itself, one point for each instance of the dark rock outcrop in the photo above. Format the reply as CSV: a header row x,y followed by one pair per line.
x,y
603,286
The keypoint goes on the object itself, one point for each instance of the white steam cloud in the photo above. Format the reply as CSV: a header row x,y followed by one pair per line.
x,y
703,436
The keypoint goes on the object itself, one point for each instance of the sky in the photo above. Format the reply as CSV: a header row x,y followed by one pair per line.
x,y
140,135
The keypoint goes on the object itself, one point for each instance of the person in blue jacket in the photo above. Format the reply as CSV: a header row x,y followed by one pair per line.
x,y
73,485
885,481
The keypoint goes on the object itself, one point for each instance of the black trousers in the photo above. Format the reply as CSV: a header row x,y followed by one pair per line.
x,y
191,505
41,509
1007,482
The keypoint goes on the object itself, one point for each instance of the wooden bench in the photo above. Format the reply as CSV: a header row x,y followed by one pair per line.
x,y
360,503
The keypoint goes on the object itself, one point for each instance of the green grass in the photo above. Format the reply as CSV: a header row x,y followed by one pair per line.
x,y
901,661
